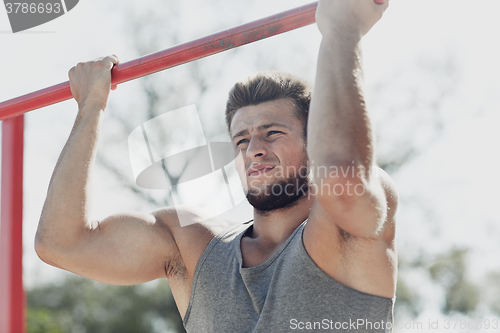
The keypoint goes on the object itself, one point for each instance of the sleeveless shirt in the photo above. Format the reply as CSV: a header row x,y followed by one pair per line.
x,y
286,293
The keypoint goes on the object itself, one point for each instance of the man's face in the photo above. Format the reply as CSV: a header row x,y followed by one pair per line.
x,y
270,139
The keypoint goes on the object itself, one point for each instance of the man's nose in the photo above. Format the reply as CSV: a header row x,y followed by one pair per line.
x,y
256,148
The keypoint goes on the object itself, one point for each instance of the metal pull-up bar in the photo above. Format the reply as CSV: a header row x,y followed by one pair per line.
x,y
12,299
177,55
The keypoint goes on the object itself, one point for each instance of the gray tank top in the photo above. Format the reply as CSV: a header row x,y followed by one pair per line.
x,y
287,293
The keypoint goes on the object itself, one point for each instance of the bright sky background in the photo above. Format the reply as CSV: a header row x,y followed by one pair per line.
x,y
455,178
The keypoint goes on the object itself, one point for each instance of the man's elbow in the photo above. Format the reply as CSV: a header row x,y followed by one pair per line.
x,y
43,248
48,249
43,251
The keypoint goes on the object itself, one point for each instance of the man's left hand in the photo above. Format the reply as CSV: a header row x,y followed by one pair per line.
x,y
340,17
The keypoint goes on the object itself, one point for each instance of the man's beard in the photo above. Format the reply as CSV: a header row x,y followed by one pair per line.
x,y
284,193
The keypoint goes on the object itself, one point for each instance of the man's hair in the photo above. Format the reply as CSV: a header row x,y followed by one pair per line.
x,y
266,87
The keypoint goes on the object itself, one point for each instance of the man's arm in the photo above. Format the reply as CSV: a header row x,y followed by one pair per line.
x,y
121,249
340,133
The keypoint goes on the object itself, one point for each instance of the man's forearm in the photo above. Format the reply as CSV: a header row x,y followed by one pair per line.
x,y
65,216
340,132
339,127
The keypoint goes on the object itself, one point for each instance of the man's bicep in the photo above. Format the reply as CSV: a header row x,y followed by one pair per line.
x,y
125,248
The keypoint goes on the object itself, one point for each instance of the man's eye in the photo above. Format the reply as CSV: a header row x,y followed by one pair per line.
x,y
240,142
273,132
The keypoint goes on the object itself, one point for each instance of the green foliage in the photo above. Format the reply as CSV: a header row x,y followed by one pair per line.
x,y
406,300
492,292
450,271
43,321
80,305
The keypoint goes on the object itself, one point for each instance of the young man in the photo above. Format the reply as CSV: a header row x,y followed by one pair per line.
x,y
317,255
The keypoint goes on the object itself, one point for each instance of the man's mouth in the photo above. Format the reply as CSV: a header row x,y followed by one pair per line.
x,y
259,170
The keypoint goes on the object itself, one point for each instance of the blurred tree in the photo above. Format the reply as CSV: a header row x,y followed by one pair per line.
x,y
408,302
450,270
409,118
152,29
43,320
491,292
79,305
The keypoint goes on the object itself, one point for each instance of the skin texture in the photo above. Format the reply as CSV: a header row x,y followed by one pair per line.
x,y
351,237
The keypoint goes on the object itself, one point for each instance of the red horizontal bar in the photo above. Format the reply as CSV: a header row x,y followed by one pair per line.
x,y
177,55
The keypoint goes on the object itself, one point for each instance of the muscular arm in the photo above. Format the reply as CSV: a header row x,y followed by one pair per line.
x,y
121,249
340,133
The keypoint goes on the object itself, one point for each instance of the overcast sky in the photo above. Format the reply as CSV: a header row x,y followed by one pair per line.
x,y
455,178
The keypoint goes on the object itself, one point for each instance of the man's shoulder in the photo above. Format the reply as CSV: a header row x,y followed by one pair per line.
x,y
189,217
192,229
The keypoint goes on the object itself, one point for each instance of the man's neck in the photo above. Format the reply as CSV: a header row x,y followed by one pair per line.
x,y
276,226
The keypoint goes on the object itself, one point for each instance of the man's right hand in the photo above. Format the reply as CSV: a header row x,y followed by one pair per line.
x,y
90,82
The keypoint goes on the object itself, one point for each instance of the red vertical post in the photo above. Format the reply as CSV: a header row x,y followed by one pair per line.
x,y
12,298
